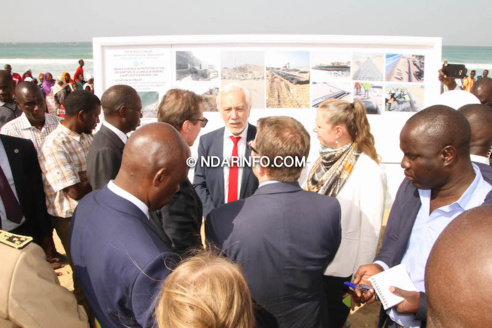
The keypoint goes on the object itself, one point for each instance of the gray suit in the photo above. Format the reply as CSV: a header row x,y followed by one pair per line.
x,y
104,158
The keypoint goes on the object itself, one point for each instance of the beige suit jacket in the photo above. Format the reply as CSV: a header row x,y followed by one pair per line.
x,y
30,294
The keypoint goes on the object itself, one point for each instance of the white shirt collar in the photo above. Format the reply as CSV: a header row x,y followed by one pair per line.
x,y
129,197
118,132
479,159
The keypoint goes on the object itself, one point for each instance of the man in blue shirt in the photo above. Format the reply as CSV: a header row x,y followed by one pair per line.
x,y
441,183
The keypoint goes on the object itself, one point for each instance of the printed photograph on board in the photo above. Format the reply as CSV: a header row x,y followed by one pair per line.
x,y
287,79
404,98
368,67
404,68
150,102
330,66
197,65
248,69
370,95
321,91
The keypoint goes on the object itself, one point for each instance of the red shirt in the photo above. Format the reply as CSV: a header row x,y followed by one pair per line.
x,y
77,72
17,78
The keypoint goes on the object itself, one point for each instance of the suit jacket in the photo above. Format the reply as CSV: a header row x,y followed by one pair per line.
x,y
283,237
209,181
119,259
27,279
179,222
400,224
28,181
104,157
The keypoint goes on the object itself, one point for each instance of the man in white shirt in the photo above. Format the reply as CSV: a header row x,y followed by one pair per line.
x,y
219,185
122,112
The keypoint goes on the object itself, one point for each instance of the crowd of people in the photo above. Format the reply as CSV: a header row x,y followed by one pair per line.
x,y
274,253
55,90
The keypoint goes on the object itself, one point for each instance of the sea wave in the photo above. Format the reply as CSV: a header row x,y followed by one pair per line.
x,y
13,61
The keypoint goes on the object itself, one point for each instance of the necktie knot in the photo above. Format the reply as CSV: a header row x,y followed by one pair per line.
x,y
235,139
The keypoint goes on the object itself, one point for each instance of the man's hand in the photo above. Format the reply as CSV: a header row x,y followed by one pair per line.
x,y
361,277
411,302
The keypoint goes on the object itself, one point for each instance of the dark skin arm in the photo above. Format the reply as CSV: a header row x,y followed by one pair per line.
x,y
79,190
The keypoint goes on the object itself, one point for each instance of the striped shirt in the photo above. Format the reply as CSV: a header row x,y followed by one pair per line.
x,y
63,156
22,128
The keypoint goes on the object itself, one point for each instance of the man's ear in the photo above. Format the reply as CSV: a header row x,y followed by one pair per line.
x,y
82,115
186,126
448,153
123,110
159,177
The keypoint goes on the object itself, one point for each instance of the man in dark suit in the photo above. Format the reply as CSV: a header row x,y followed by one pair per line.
x,y
20,166
219,185
180,221
441,183
283,237
120,260
122,112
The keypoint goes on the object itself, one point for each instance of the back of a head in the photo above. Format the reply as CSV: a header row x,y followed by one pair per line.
x,y
178,106
150,147
26,87
286,143
480,119
5,76
116,97
205,291
482,89
235,86
80,100
440,126
353,116
458,271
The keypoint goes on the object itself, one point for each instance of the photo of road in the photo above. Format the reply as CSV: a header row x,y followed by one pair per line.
x,y
199,65
370,95
368,67
248,69
322,91
287,79
328,66
404,68
404,98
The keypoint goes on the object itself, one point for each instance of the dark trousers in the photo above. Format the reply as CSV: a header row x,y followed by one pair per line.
x,y
62,226
334,291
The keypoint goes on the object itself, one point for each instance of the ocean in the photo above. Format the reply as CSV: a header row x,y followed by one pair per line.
x,y
60,57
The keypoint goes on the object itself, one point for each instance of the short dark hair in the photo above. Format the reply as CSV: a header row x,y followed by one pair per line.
x,y
79,100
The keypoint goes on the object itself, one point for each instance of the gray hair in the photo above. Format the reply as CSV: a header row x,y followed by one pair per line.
x,y
232,86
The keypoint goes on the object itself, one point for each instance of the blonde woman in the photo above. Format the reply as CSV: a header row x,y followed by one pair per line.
x,y
348,169
205,291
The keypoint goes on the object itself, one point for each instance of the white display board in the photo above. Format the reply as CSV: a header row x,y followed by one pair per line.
x,y
287,75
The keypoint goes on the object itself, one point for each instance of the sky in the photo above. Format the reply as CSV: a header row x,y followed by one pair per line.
x,y
457,22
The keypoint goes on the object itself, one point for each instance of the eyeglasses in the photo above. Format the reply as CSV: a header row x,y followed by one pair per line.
x,y
250,147
203,120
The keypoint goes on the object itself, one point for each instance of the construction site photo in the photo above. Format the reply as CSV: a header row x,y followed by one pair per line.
x,y
404,98
288,78
321,91
370,95
248,69
404,68
327,66
368,67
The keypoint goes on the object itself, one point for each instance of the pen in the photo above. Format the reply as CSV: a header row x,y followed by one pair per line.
x,y
363,288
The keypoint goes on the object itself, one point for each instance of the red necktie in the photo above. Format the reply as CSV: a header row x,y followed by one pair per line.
x,y
233,173
12,206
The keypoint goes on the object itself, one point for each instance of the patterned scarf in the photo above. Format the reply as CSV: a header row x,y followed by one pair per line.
x,y
332,169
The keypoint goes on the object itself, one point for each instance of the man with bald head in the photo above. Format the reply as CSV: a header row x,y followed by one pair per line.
x,y
8,107
122,109
483,91
440,183
35,123
119,258
480,119
458,273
